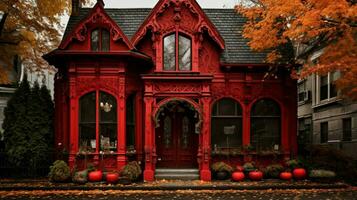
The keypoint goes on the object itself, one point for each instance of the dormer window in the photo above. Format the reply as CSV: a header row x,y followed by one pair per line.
x,y
100,40
177,53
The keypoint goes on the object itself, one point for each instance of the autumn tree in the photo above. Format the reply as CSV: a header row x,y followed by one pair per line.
x,y
30,28
329,26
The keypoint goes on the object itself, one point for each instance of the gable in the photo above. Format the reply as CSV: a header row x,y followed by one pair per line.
x,y
187,14
227,21
94,18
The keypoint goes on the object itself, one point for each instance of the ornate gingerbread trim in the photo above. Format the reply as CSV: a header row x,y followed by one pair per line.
x,y
204,24
96,16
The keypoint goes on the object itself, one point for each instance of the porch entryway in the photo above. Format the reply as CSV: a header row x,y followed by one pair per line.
x,y
176,138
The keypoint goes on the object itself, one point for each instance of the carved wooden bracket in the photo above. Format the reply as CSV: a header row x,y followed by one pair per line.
x,y
97,17
203,25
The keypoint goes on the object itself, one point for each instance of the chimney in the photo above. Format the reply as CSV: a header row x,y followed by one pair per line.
x,y
75,7
101,2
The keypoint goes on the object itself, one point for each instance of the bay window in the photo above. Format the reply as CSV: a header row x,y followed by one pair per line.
x,y
97,122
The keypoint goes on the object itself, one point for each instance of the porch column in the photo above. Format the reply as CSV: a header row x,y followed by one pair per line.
x,y
73,122
121,157
149,148
205,172
246,130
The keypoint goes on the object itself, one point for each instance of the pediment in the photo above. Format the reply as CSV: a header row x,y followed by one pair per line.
x,y
97,17
186,14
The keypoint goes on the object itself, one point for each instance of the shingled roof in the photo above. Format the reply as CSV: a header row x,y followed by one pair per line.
x,y
227,21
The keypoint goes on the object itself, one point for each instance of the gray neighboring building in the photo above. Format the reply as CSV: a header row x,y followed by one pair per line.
x,y
323,117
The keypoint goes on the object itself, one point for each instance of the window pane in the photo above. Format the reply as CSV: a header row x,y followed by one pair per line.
x,y
324,132
130,122
108,108
169,53
87,108
108,122
347,129
265,133
226,124
323,87
333,90
108,136
95,40
266,107
184,54
265,125
87,137
167,131
228,107
301,91
105,40
221,127
185,132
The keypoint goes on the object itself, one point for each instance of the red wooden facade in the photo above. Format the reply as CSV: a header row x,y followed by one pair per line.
x,y
171,110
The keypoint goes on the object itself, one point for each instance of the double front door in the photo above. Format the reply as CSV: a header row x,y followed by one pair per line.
x,y
176,141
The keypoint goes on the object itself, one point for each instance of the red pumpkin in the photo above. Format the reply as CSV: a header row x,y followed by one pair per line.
x,y
286,176
112,178
299,173
240,168
238,176
256,175
95,176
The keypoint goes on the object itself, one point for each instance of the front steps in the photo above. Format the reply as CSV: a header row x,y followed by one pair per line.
x,y
177,174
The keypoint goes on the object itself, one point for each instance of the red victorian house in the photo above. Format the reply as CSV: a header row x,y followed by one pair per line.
x,y
175,86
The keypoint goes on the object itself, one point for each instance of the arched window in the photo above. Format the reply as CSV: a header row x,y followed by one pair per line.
x,y
104,106
177,53
226,124
100,40
265,125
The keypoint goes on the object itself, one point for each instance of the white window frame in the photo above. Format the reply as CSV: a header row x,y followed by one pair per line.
x,y
318,87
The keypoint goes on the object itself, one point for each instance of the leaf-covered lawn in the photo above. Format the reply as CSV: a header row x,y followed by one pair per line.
x,y
346,194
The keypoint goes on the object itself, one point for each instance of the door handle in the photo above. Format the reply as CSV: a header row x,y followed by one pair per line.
x,y
158,159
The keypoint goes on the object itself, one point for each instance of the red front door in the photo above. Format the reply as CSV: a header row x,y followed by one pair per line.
x,y
176,140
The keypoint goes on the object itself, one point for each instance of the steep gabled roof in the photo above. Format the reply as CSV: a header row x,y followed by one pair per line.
x,y
95,15
227,21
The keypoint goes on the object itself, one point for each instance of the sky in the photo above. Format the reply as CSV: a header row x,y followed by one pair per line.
x,y
151,3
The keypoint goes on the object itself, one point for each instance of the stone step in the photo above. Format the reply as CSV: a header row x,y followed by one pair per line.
x,y
180,171
177,174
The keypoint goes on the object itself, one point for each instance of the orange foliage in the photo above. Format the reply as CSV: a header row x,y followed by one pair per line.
x,y
330,25
32,28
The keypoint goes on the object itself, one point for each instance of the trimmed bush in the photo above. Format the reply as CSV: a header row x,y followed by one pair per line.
x,y
328,158
248,167
273,171
132,171
221,166
321,173
59,171
292,164
80,177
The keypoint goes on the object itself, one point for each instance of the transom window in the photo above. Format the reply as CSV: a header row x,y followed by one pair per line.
x,y
97,122
100,40
265,125
177,53
226,124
